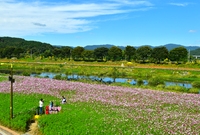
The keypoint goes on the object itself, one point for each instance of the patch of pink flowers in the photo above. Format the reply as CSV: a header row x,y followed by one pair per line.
x,y
177,113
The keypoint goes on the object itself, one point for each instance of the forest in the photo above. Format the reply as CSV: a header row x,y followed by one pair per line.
x,y
17,48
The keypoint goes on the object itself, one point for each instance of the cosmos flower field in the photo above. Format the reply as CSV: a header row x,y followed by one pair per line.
x,y
122,110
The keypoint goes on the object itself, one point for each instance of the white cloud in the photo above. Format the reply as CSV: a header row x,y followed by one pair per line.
x,y
179,4
133,3
23,18
192,31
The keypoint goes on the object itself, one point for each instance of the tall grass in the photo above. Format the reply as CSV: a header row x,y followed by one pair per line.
x,y
24,109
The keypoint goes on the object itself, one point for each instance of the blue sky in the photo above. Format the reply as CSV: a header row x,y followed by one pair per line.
x,y
95,22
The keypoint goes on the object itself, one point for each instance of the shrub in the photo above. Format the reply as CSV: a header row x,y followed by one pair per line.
x,y
196,84
58,77
177,88
160,86
155,81
194,90
26,74
139,82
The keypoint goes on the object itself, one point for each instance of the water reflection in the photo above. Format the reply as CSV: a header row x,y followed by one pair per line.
x,y
107,79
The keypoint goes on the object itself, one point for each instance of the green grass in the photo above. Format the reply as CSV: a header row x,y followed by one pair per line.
x,y
3,77
24,109
144,71
94,118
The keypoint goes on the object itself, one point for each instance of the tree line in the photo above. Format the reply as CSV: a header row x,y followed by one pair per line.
x,y
20,48
142,54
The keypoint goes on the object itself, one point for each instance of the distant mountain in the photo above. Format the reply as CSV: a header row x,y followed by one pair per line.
x,y
172,46
168,46
191,48
92,47
195,52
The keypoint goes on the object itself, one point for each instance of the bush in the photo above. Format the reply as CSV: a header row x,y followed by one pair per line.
x,y
58,77
160,86
194,90
155,81
26,74
139,82
177,88
196,84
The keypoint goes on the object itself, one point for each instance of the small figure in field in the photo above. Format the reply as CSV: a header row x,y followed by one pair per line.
x,y
41,102
63,100
50,105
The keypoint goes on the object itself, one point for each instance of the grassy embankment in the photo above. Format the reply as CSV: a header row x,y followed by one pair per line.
x,y
185,73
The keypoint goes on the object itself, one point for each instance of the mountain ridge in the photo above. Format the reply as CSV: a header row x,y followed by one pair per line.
x,y
17,40
169,46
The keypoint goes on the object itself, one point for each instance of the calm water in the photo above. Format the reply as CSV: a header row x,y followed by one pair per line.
x,y
108,79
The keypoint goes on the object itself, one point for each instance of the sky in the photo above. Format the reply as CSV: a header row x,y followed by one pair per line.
x,y
97,22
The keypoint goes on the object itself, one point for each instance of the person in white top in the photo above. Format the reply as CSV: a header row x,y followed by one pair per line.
x,y
41,102
63,100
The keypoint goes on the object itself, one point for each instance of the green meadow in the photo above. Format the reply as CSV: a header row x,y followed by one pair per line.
x,y
96,108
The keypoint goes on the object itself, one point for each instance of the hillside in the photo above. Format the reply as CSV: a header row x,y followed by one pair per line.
x,y
195,52
22,43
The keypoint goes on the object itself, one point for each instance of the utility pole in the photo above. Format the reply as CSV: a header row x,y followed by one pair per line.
x,y
11,91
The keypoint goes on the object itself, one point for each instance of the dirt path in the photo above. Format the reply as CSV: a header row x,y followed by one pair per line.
x,y
32,131
7,131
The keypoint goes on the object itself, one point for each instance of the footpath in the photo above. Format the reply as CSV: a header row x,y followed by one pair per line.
x,y
7,131
32,131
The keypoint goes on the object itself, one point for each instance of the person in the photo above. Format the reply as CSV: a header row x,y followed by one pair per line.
x,y
41,102
51,105
63,100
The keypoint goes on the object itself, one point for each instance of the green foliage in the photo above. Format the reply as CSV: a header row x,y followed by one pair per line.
x,y
194,90
58,77
115,53
140,82
160,54
143,53
101,53
88,55
129,52
177,88
160,86
26,74
24,109
178,54
196,84
77,53
3,77
155,81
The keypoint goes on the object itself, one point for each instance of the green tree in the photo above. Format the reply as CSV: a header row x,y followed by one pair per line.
x,y
77,53
115,53
9,52
88,54
101,52
66,51
143,53
178,54
18,52
57,53
160,53
47,54
129,52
